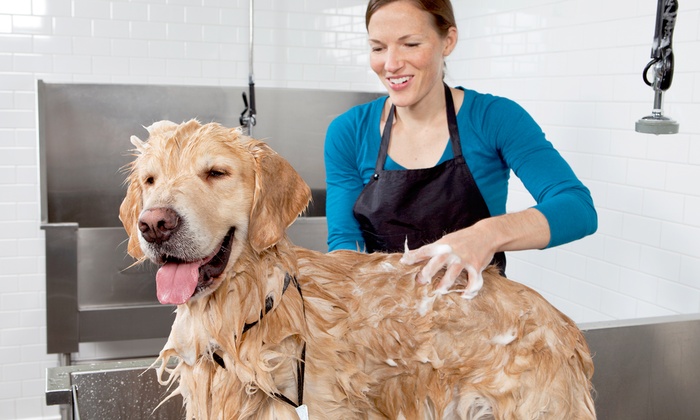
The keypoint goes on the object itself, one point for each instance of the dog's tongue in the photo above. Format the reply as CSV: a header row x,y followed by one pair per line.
x,y
176,282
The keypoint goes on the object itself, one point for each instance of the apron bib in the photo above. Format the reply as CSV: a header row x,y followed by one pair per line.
x,y
419,206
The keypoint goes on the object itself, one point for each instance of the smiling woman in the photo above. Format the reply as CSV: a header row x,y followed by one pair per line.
x,y
426,168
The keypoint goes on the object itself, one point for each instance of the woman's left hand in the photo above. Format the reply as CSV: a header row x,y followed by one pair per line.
x,y
459,251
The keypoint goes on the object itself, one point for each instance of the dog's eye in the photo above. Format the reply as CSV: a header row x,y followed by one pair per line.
x,y
149,180
214,173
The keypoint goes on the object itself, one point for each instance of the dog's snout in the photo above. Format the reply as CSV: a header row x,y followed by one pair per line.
x,y
158,224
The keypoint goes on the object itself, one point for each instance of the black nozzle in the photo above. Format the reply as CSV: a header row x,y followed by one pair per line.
x,y
662,49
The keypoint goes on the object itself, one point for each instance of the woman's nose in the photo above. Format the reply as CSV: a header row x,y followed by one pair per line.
x,y
394,61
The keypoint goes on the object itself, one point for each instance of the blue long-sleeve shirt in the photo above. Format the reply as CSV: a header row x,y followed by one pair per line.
x,y
497,135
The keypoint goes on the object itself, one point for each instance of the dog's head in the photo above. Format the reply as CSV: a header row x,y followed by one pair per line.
x,y
199,196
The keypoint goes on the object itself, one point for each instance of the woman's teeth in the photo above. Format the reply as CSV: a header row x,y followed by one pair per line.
x,y
399,80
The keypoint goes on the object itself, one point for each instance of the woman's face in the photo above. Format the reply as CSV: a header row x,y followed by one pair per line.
x,y
407,52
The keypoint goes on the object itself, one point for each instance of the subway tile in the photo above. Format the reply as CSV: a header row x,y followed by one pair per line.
x,y
639,285
129,48
17,119
67,26
586,294
690,267
617,305
98,9
147,66
646,174
691,211
92,46
184,32
229,35
625,198
166,13
623,253
571,264
201,51
648,310
21,337
658,262
16,7
166,49
29,407
129,11
148,30
53,8
662,205
183,68
51,44
5,24
31,25
31,63
683,179
72,64
202,15
685,300
11,43
680,238
604,274
113,29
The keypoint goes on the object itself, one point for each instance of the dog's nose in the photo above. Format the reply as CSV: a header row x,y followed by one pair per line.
x,y
158,224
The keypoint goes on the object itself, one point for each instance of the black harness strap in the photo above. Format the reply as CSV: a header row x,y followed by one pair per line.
x,y
301,363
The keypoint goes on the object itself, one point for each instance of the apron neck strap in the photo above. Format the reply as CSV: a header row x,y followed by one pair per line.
x,y
451,125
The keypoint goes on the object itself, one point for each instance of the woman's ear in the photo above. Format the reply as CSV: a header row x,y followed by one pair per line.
x,y
450,41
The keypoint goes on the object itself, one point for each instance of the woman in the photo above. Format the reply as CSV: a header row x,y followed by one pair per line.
x,y
427,167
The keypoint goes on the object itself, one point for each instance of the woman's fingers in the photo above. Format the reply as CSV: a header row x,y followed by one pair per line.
x,y
440,256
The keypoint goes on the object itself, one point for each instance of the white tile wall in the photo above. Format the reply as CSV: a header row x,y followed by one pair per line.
x,y
574,64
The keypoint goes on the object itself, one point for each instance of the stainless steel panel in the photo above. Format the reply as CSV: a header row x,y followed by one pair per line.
x,y
61,287
84,132
648,369
107,276
310,232
112,390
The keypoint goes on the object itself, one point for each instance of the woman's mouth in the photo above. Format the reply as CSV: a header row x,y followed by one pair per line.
x,y
399,82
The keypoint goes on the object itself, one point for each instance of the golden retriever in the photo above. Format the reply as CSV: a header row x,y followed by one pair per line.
x,y
263,326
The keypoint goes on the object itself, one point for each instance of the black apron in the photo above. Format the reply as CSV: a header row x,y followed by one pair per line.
x,y
420,206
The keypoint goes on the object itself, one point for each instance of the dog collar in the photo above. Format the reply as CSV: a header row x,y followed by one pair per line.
x,y
301,363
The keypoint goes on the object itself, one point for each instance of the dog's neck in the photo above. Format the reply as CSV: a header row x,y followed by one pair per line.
x,y
247,323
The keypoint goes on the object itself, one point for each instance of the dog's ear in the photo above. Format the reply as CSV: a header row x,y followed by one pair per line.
x,y
280,196
130,208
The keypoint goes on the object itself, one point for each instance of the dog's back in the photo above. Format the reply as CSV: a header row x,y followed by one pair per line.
x,y
411,353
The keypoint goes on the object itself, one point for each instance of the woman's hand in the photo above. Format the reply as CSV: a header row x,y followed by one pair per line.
x,y
471,249
456,252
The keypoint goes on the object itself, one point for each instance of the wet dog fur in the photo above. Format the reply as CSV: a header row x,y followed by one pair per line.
x,y
372,342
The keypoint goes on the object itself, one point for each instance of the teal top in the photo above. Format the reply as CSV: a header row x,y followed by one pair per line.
x,y
497,135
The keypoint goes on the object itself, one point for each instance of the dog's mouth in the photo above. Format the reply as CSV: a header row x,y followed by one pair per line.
x,y
178,281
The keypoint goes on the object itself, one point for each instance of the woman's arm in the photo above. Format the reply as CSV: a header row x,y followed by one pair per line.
x,y
343,184
564,211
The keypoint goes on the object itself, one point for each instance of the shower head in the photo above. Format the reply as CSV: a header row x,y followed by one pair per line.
x,y
661,65
656,124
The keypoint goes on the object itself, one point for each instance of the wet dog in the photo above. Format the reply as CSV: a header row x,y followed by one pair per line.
x,y
263,326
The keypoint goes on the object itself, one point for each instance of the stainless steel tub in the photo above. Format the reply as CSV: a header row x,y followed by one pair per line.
x,y
644,370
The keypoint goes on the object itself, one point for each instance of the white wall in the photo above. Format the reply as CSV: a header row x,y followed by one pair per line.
x,y
574,64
